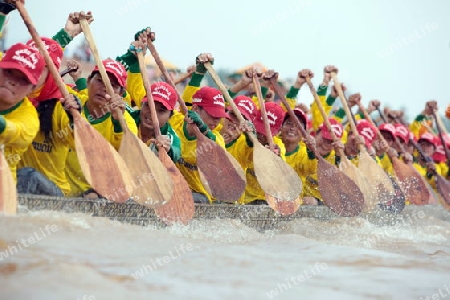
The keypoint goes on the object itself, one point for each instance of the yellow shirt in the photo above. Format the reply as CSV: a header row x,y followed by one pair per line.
x,y
253,190
18,127
49,156
311,184
111,131
188,161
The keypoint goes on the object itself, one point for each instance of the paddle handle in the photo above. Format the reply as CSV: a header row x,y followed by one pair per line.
x,y
257,88
322,111
109,89
344,102
163,70
292,114
37,39
441,131
151,101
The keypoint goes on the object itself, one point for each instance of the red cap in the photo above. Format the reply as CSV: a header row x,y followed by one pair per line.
x,y
164,93
211,100
428,137
402,132
275,116
246,107
388,128
53,48
300,114
115,68
366,130
25,59
439,154
335,126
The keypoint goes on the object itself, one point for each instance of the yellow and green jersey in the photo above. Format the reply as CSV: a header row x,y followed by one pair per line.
x,y
111,130
48,156
18,127
253,190
311,183
187,164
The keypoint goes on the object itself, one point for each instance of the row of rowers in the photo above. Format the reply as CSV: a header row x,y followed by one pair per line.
x,y
39,145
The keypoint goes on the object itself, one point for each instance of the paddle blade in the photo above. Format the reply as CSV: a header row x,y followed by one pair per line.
x,y
223,178
274,175
8,196
396,203
102,166
181,208
152,184
411,183
377,177
338,191
284,208
367,189
443,187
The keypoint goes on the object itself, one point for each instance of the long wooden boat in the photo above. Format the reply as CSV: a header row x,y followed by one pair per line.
x,y
260,217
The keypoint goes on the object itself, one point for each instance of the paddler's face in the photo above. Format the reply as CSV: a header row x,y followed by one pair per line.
x,y
324,146
14,86
209,120
162,113
262,138
351,148
290,132
230,130
388,138
427,147
97,89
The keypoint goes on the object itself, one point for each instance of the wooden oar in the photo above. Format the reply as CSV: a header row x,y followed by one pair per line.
x,y
345,165
8,194
102,167
274,175
180,209
157,188
395,201
411,182
375,184
285,208
338,191
225,178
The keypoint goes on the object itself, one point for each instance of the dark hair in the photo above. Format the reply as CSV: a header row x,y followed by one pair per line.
x,y
122,89
45,111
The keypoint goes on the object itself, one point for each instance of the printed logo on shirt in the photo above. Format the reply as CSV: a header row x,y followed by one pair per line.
x,y
42,147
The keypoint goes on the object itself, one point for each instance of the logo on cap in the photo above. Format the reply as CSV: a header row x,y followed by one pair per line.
x,y
115,66
246,105
163,92
367,133
336,129
218,99
272,118
403,131
26,57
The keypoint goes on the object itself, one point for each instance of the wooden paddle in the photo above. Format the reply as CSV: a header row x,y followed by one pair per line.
x,y
180,209
224,176
8,192
411,182
345,165
395,201
375,183
274,175
338,191
285,208
141,161
102,167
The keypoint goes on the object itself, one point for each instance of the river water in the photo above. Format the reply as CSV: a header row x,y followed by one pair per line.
x,y
53,255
